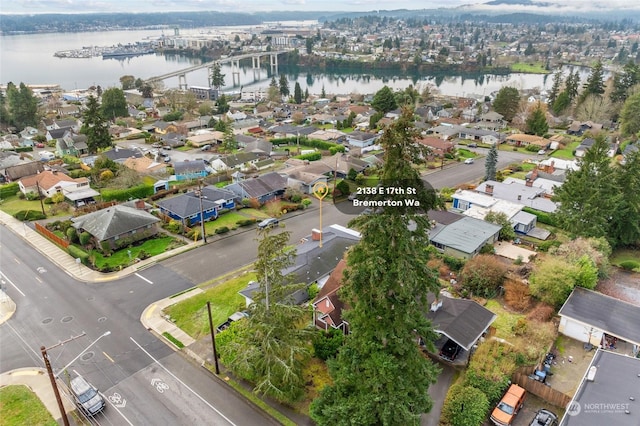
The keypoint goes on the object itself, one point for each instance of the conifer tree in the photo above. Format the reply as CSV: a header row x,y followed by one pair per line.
x,y
95,127
491,163
297,93
555,87
380,376
537,121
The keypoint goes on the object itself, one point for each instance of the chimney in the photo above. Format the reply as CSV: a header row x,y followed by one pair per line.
x,y
316,234
529,182
551,168
488,189
140,204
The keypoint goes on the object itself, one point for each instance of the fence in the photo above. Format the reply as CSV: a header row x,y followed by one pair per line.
x,y
53,237
547,393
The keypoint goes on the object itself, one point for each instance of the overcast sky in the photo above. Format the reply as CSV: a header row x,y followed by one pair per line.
x,y
84,6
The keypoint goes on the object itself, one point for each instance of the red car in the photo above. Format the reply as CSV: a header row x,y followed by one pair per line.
x,y
39,145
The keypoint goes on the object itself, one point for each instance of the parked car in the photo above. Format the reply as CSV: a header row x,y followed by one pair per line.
x,y
509,406
205,148
39,145
469,161
167,159
544,417
473,145
167,147
450,350
86,396
234,317
268,223
542,152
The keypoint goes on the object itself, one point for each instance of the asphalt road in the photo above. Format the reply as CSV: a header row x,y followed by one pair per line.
x,y
127,365
467,173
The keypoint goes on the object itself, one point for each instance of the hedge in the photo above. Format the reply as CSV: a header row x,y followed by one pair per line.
x,y
23,215
222,230
9,190
136,192
312,156
78,253
246,222
546,218
312,143
630,265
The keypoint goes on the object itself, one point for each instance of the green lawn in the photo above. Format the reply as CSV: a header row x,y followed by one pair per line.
x,y
505,320
622,255
12,205
532,68
191,314
20,406
567,152
465,153
229,219
152,247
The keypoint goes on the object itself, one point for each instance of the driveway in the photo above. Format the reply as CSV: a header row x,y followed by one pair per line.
x,y
438,392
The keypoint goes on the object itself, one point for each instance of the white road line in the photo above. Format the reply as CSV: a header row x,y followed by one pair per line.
x,y
14,286
143,278
117,409
181,382
37,355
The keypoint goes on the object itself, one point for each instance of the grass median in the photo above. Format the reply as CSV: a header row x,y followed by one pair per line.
x,y
20,406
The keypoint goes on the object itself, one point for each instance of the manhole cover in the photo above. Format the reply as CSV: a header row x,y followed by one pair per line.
x,y
66,319
91,298
87,356
47,320
102,319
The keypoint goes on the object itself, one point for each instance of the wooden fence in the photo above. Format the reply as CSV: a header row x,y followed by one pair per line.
x,y
539,389
53,237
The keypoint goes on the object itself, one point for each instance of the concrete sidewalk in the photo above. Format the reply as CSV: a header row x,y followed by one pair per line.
x,y
38,382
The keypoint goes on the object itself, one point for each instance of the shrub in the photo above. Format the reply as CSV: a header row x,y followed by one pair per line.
x,y
245,222
464,406
630,265
84,237
546,218
78,253
541,313
48,200
517,295
492,365
72,234
553,280
312,156
306,203
483,275
520,327
31,196
222,230
453,263
9,189
26,215
343,187
326,344
548,245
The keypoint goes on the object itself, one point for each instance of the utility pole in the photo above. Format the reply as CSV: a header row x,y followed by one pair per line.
x,y
40,198
54,384
213,339
204,234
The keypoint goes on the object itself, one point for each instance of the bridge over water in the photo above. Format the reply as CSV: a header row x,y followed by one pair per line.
x,y
235,67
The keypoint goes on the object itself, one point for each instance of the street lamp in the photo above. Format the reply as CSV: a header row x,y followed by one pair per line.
x,y
105,334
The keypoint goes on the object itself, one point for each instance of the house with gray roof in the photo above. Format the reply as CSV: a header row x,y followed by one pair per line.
x,y
314,262
119,154
464,238
591,317
361,139
190,169
463,321
607,394
264,188
525,195
117,226
17,172
485,136
241,161
186,208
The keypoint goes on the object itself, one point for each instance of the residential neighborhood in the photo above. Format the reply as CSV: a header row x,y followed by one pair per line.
x,y
339,252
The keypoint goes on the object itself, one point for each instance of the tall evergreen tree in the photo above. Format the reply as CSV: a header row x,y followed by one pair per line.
x,y
270,346
507,102
555,87
630,116
595,82
571,85
22,106
284,85
217,78
114,104
491,163
95,127
625,223
223,105
589,197
537,121
297,93
380,376
384,100
622,82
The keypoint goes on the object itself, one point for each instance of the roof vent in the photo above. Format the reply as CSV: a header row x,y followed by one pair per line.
x,y
435,305
591,375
